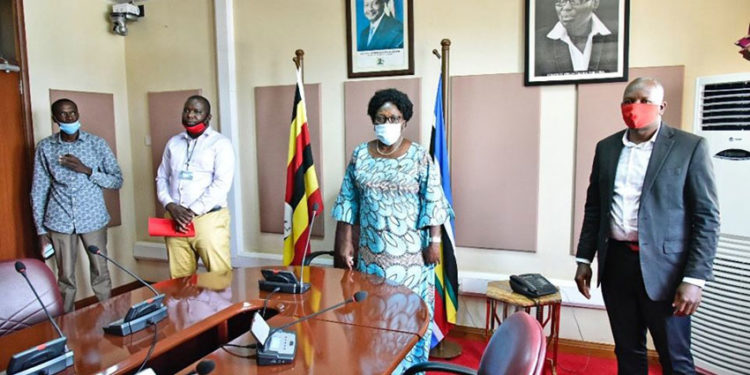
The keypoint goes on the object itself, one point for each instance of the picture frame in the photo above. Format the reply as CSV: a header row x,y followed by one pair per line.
x,y
599,53
387,50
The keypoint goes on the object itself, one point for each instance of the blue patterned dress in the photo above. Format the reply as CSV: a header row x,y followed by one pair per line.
x,y
395,201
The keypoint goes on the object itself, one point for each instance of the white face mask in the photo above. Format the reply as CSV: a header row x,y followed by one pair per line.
x,y
388,134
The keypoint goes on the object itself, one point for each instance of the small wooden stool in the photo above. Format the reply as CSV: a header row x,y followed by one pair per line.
x,y
500,292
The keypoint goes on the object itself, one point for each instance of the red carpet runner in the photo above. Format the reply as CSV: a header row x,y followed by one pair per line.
x,y
568,364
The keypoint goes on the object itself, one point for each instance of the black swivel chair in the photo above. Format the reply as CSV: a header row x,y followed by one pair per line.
x,y
316,254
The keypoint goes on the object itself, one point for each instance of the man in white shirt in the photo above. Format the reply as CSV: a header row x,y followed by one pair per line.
x,y
652,219
578,42
192,183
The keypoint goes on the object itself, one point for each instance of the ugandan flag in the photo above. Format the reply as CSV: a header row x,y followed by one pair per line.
x,y
302,191
446,273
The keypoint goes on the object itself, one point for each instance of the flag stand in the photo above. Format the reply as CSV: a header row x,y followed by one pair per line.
x,y
445,349
298,60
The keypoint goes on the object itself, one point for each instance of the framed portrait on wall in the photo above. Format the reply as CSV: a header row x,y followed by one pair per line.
x,y
576,41
380,38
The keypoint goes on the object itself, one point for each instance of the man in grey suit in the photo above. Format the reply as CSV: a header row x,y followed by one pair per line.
x,y
382,32
652,218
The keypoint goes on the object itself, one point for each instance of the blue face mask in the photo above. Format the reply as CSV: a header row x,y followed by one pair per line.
x,y
70,128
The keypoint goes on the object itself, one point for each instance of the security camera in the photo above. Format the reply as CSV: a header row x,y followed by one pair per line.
x,y
121,14
119,25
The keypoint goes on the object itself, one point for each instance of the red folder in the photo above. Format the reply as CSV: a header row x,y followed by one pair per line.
x,y
158,227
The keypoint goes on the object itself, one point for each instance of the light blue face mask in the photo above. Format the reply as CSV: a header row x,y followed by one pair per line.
x,y
70,128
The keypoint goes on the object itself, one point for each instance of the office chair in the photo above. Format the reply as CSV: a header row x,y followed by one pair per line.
x,y
20,308
517,347
316,254
355,243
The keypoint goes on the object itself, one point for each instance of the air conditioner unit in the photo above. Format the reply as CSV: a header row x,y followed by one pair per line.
x,y
721,333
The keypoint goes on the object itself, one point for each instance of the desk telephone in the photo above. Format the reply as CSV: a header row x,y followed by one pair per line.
x,y
532,285
286,281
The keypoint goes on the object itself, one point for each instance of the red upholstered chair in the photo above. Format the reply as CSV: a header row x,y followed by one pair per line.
x,y
517,347
19,308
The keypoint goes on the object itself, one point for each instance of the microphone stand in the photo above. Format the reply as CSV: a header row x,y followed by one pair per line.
x,y
140,315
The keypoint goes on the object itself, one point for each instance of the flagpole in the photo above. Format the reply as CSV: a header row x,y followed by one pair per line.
x,y
446,349
445,69
299,61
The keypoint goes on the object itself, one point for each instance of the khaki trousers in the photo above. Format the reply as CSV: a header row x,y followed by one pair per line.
x,y
66,255
211,244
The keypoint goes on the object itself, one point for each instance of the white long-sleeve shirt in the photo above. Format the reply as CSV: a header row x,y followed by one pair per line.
x,y
579,59
626,198
196,173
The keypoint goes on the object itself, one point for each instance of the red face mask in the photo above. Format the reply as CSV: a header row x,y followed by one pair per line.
x,y
639,115
196,130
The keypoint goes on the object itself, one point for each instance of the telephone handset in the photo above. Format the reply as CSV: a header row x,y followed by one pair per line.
x,y
279,276
286,281
532,285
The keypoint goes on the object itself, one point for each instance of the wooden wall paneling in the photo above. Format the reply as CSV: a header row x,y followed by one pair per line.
x,y
16,224
273,115
599,116
97,115
495,161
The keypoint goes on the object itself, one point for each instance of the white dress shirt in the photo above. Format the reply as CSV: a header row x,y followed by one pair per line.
x,y
579,59
374,28
626,197
196,173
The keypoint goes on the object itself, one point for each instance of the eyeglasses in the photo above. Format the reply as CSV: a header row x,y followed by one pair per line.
x,y
385,119
575,3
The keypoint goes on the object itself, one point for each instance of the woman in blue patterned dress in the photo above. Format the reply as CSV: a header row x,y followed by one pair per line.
x,y
392,191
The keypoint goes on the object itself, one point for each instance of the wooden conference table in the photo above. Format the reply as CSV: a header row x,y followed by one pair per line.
x,y
206,311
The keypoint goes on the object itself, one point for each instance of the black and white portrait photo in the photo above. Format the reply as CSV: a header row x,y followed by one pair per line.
x,y
576,41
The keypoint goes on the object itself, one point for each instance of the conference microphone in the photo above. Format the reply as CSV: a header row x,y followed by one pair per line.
x,y
49,358
276,346
268,297
357,297
286,280
140,315
203,367
21,268
95,250
315,213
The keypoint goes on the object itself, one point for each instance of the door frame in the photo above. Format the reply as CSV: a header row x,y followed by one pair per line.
x,y
28,125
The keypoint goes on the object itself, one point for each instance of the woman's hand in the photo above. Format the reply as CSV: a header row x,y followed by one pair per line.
x,y
343,246
431,253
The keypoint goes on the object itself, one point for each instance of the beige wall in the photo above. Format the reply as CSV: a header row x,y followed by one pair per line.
x,y
77,52
173,48
487,37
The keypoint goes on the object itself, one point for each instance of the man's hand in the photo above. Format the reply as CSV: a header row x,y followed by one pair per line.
x,y
686,299
74,164
182,216
583,279
431,253
43,242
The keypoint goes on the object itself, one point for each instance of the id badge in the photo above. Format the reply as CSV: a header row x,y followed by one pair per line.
x,y
186,175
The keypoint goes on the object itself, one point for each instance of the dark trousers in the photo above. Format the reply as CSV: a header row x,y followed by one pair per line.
x,y
631,311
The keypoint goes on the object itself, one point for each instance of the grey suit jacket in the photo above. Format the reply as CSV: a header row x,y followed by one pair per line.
x,y
678,219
